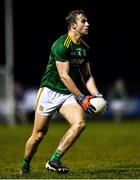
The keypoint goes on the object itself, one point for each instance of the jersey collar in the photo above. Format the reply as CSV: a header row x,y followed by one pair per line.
x,y
73,40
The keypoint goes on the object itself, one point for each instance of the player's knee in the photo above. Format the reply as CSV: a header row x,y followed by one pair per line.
x,y
83,125
40,135
80,125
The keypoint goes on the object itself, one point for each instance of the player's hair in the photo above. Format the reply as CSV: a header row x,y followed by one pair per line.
x,y
72,15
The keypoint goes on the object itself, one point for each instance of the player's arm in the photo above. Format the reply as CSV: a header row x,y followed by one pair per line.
x,y
63,70
84,101
89,80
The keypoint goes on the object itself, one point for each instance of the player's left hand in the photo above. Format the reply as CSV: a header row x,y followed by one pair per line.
x,y
84,101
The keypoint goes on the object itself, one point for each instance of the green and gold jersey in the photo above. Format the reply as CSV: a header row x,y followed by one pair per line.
x,y
64,49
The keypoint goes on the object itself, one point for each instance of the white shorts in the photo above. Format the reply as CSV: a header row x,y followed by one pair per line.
x,y
49,101
117,105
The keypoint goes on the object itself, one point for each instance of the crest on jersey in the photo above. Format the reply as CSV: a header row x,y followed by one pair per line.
x,y
41,108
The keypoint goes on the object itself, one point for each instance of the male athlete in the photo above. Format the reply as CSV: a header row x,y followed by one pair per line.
x,y
59,92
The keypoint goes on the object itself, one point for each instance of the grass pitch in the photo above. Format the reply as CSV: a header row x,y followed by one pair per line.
x,y
105,150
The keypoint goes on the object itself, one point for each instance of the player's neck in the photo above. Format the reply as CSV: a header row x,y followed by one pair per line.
x,y
75,37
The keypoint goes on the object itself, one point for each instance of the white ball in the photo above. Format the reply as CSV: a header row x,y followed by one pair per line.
x,y
100,105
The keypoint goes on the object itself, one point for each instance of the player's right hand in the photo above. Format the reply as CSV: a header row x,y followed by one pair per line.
x,y
84,101
98,95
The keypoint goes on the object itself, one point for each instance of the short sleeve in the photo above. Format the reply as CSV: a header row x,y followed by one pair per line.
x,y
60,53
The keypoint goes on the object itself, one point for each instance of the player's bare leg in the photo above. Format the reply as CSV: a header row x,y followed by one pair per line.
x,y
41,124
74,114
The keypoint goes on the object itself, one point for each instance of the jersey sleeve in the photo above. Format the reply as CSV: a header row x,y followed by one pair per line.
x,y
60,53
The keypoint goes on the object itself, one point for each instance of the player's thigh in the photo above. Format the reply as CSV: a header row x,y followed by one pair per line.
x,y
73,113
41,123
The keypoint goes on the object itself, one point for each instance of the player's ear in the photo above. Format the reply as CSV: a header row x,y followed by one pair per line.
x,y
73,26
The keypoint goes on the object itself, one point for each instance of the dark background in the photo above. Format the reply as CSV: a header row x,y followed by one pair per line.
x,y
114,38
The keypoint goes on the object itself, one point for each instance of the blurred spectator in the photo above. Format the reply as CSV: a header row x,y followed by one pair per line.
x,y
117,99
29,102
20,113
25,100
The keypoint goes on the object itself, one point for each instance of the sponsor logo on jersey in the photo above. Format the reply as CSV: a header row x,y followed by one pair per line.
x,y
76,62
78,56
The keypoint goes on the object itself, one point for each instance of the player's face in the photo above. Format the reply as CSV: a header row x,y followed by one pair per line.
x,y
82,24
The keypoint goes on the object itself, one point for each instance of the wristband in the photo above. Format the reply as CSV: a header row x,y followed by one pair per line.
x,y
79,98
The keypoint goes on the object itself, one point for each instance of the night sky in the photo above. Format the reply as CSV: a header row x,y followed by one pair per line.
x,y
114,38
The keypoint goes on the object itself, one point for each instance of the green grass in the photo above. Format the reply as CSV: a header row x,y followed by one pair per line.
x,y
105,150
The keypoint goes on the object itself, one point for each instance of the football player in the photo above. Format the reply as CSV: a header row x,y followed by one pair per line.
x,y
68,61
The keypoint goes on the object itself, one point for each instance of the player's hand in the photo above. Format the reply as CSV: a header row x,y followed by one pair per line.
x,y
98,95
84,101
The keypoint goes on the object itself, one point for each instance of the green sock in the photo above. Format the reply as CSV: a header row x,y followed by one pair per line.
x,y
56,156
26,163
